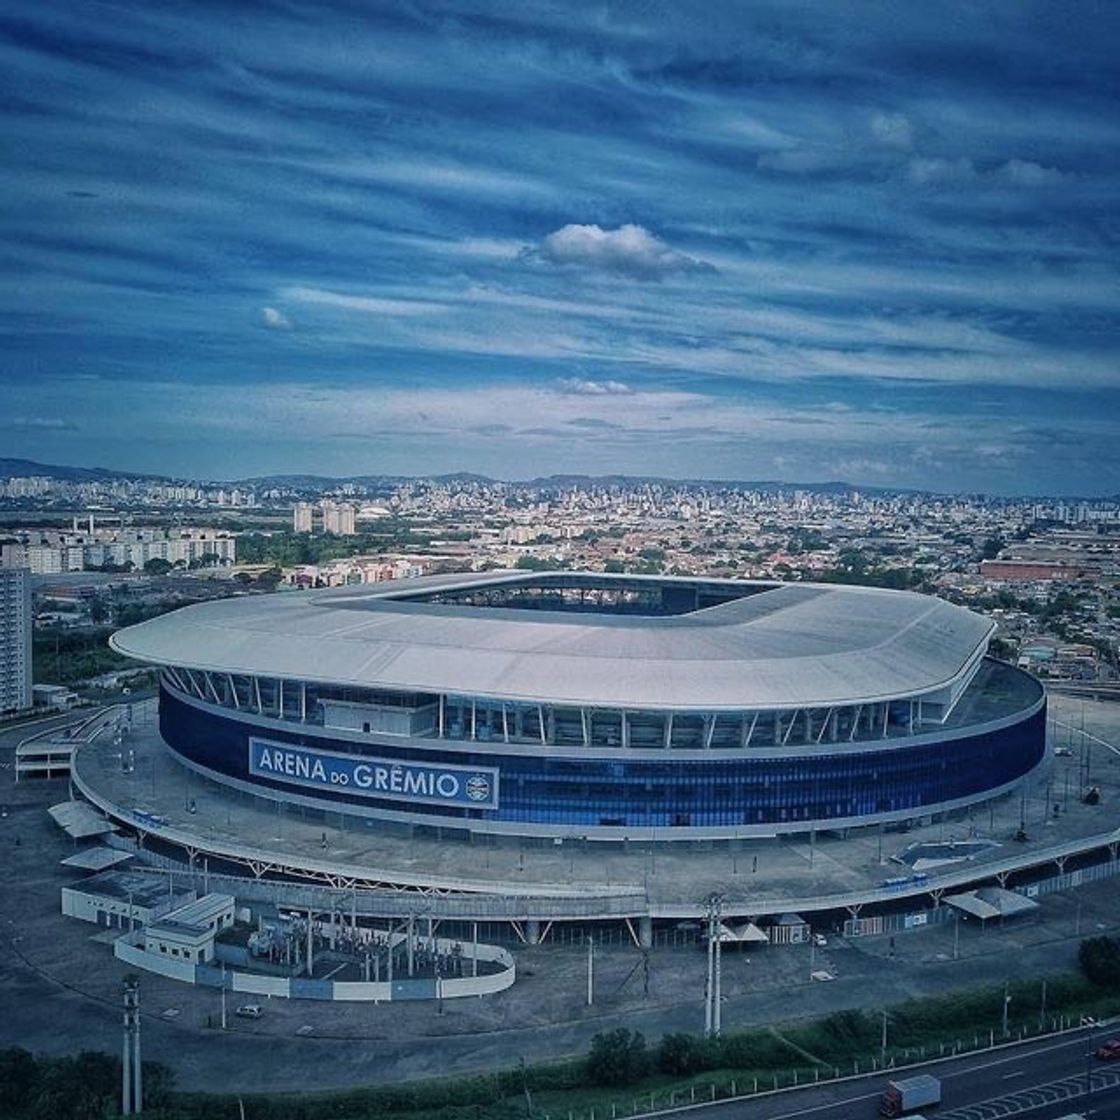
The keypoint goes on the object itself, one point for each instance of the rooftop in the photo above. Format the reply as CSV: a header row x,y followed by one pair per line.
x,y
760,645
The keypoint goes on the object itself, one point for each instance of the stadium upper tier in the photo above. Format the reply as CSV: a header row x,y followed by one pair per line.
x,y
588,640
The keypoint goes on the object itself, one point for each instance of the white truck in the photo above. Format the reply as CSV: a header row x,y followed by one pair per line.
x,y
909,1093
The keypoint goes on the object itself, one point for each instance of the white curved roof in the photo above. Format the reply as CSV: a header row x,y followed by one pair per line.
x,y
790,645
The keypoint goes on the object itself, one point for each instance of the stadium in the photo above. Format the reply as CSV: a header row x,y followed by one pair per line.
x,y
570,705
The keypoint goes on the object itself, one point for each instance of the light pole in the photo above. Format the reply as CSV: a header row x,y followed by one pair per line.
x,y
590,969
1006,1001
712,995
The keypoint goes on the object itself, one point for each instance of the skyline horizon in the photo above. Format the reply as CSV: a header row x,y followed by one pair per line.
x,y
821,485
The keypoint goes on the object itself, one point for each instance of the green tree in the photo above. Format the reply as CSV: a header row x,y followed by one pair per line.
x,y
1099,958
617,1057
18,1074
682,1055
157,566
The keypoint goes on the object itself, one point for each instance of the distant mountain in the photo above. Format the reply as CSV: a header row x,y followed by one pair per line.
x,y
28,468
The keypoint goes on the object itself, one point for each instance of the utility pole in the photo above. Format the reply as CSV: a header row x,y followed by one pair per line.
x,y
132,1102
883,1041
1006,1001
712,993
590,969
1042,1009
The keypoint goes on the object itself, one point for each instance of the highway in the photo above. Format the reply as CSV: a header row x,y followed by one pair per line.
x,y
1040,1080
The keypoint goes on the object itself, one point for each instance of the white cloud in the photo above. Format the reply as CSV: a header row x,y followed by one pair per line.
x,y
630,250
584,387
1025,173
40,423
893,130
933,169
370,304
275,320
796,161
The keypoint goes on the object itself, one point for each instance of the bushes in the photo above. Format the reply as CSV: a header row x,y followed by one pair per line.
x,y
1099,958
681,1055
85,1086
617,1057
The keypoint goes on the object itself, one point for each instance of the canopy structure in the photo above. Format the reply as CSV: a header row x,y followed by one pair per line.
x,y
748,933
765,646
96,859
991,902
80,820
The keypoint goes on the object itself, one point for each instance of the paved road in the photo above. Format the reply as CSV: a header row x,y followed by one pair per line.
x,y
1036,1081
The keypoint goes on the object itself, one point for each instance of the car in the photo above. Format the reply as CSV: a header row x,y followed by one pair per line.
x,y
249,1011
1109,1051
820,940
1063,752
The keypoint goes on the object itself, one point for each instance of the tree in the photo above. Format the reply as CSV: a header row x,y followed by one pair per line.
x,y
617,1057
18,1074
157,566
682,1055
993,546
1099,958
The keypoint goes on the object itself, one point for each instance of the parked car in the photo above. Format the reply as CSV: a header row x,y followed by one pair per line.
x,y
820,940
1109,1051
249,1011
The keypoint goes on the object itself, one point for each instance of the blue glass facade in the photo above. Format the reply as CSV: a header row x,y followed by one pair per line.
x,y
748,789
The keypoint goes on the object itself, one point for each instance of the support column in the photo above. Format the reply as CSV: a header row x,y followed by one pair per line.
x,y
645,932
533,931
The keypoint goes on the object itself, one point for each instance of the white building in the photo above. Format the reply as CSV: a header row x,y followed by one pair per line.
x,y
339,519
301,517
15,639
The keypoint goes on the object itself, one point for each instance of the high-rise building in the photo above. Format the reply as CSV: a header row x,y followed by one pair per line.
x,y
338,518
15,639
301,519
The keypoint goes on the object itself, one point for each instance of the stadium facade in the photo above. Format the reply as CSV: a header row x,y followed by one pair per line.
x,y
586,705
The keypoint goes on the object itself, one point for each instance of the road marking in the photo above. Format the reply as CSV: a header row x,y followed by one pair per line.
x,y
1017,1073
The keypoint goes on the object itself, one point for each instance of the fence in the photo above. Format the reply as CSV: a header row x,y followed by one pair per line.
x,y
299,987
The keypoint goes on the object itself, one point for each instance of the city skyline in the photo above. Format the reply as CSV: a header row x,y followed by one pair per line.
x,y
801,244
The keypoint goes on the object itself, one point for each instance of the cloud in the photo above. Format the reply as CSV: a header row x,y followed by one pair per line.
x,y
1025,173
581,386
796,161
893,130
275,320
929,170
370,304
629,250
40,424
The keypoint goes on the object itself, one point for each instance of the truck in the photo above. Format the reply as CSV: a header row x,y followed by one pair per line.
x,y
908,1093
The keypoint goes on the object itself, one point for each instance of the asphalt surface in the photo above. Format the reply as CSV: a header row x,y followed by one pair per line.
x,y
1011,1081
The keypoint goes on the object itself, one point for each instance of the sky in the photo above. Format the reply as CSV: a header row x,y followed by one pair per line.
x,y
796,240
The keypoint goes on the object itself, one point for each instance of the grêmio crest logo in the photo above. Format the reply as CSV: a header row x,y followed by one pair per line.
x,y
362,776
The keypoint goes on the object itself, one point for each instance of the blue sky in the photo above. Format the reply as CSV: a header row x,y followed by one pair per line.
x,y
801,240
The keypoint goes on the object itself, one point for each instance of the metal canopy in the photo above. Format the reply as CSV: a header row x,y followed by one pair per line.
x,y
96,859
786,645
80,820
991,902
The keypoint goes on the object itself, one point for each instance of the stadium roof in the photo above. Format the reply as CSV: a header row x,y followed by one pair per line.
x,y
783,646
